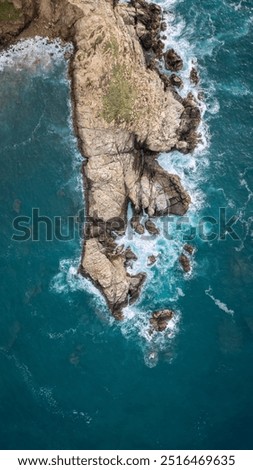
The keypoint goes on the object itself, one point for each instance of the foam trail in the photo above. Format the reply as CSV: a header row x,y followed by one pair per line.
x,y
218,302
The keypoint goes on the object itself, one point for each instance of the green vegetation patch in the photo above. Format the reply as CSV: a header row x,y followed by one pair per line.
x,y
118,103
112,46
8,12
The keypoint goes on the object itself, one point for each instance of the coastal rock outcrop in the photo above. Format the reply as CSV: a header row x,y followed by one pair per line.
x,y
125,113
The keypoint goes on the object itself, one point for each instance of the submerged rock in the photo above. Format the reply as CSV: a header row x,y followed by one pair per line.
x,y
160,319
148,21
173,61
125,113
151,260
163,26
194,76
151,227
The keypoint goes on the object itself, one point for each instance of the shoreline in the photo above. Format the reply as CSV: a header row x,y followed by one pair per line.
x,y
109,259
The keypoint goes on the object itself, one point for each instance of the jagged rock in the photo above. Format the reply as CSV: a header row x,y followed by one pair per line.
x,y
163,26
125,114
110,276
173,61
118,314
189,248
185,263
160,319
201,96
194,76
151,227
151,260
135,286
146,41
130,257
176,81
182,146
17,205
22,13
189,123
136,225
148,15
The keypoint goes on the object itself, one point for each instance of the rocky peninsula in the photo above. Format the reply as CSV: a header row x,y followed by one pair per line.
x,y
126,111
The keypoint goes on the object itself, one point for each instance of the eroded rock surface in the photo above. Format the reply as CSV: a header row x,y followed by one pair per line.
x,y
173,61
126,112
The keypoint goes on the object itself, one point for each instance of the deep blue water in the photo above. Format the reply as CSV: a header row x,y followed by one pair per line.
x,y
70,378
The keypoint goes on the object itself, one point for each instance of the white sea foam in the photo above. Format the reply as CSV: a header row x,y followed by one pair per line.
x,y
192,171
218,302
36,55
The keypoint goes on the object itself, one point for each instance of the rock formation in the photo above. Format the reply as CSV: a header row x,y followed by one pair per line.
x,y
194,76
160,319
189,248
151,227
173,61
126,112
151,260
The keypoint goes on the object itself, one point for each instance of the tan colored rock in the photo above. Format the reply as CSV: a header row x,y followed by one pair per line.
x,y
110,275
125,111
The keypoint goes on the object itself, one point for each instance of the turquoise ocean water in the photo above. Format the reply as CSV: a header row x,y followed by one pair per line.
x,y
70,377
